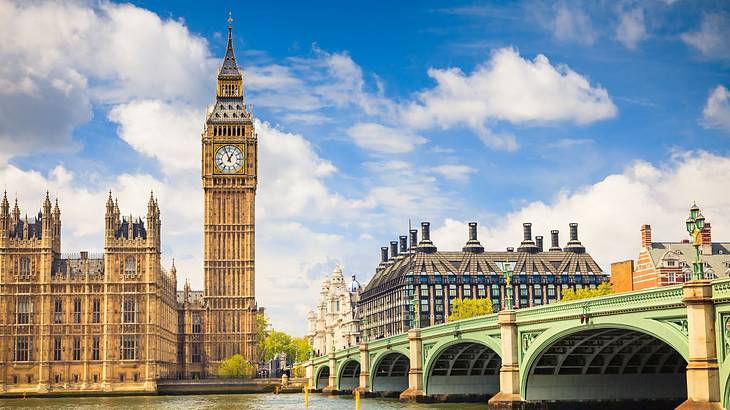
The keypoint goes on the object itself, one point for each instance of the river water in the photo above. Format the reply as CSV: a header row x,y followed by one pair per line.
x,y
227,401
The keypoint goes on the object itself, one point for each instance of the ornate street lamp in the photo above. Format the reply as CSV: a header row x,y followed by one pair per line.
x,y
416,310
507,285
694,224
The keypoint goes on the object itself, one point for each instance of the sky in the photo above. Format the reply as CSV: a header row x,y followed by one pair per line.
x,y
610,114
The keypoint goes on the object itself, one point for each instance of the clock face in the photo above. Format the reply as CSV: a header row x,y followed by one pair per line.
x,y
229,159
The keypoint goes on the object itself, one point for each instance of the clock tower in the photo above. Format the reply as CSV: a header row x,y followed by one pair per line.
x,y
229,184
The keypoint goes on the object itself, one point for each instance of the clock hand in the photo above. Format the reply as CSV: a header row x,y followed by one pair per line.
x,y
230,157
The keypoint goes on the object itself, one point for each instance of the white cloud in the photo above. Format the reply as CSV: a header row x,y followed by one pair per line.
x,y
58,57
458,173
717,109
712,38
611,211
508,88
168,132
572,24
379,138
291,179
631,29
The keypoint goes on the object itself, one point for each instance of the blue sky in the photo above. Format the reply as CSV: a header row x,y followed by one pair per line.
x,y
610,114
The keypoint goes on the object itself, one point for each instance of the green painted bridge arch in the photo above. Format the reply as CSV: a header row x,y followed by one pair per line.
x,y
676,336
469,362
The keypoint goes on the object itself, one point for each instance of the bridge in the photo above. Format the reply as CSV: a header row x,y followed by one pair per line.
x,y
658,348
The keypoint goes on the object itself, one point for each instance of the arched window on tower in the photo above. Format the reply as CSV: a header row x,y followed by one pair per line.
x,y
130,266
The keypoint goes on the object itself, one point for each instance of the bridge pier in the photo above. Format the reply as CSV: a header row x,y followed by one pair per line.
x,y
363,388
509,374
703,376
309,373
415,373
332,380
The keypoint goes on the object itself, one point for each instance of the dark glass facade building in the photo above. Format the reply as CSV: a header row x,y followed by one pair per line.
x,y
416,285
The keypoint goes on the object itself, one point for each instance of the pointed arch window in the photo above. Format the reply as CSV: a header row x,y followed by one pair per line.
x,y
130,266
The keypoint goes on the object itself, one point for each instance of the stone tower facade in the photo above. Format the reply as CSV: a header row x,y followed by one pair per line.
x,y
81,321
229,183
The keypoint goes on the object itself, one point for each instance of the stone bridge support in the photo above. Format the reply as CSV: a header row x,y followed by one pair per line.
x,y
309,373
332,381
703,376
415,374
509,374
364,369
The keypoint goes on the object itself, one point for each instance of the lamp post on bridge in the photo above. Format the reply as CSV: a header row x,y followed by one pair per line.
x,y
507,273
694,224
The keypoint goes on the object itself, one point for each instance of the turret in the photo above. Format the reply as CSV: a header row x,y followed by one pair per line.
x,y
56,227
153,221
4,216
110,219
46,222
15,217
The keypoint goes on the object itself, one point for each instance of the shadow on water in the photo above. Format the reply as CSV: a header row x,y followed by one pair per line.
x,y
228,401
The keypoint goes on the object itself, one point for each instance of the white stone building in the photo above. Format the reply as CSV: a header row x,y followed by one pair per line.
x,y
336,321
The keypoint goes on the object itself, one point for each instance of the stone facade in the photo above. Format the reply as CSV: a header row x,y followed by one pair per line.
x,y
423,276
336,321
83,321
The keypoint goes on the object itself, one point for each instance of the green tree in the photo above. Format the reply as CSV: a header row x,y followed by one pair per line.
x,y
300,348
466,308
262,330
603,289
235,367
277,342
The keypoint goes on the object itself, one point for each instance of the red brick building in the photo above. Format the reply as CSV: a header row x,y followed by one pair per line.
x,y
667,263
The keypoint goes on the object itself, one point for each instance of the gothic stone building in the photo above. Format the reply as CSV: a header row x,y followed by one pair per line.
x,y
114,321
336,322
83,321
423,280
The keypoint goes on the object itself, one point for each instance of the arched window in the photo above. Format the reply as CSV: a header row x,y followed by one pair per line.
x,y
130,266
24,267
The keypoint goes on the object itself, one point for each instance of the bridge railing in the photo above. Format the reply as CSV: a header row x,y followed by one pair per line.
x,y
665,297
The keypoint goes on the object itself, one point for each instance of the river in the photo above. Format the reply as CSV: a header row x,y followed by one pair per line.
x,y
227,401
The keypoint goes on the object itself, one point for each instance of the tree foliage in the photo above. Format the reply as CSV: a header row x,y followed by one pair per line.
x,y
603,289
262,330
277,342
300,349
466,308
235,367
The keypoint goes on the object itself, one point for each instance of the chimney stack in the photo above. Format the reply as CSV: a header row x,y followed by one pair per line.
x,y
706,238
646,236
426,246
384,254
574,244
414,238
473,245
554,240
538,242
510,249
403,244
393,249
527,244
